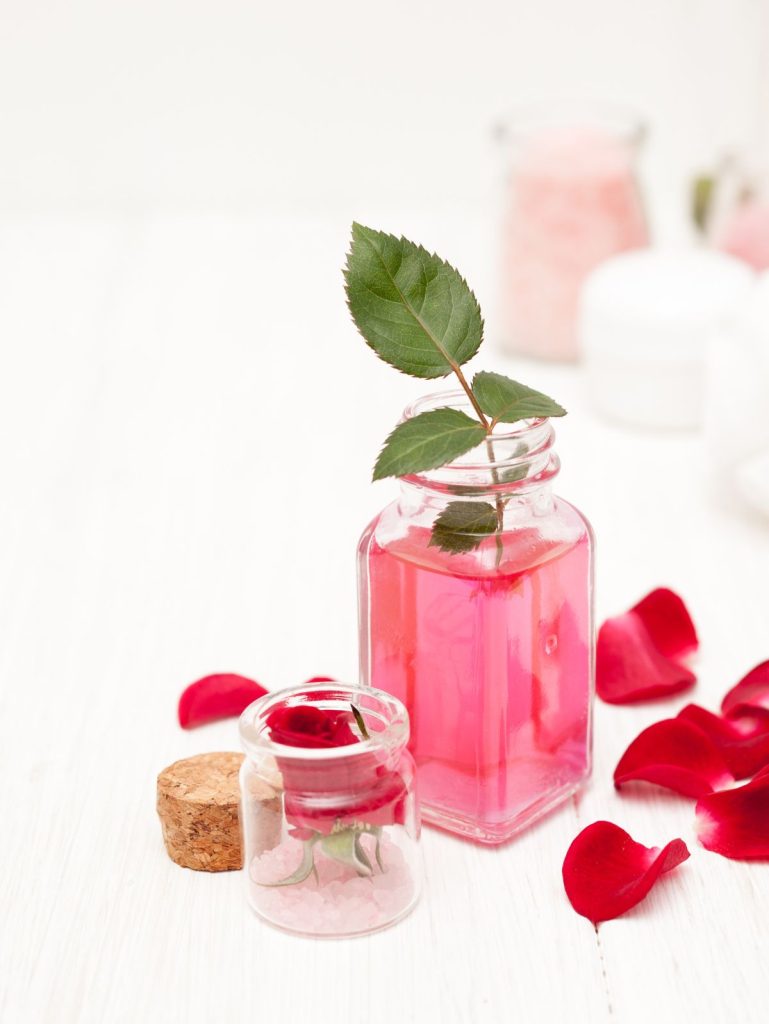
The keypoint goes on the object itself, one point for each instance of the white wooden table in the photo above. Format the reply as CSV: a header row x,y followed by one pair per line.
x,y
187,425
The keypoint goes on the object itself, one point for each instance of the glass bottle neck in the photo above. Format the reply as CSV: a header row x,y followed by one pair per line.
x,y
515,464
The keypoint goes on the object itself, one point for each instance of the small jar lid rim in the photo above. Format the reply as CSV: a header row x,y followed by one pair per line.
x,y
255,737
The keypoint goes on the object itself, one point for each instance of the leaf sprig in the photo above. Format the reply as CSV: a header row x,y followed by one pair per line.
x,y
419,315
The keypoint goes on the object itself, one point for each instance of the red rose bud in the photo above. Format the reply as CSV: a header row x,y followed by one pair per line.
x,y
304,725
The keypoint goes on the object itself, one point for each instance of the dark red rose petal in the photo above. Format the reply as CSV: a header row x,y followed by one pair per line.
x,y
606,872
675,754
735,823
379,800
223,695
742,736
751,689
630,668
304,725
668,622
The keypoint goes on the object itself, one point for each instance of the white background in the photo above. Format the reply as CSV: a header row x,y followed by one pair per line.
x,y
187,425
234,104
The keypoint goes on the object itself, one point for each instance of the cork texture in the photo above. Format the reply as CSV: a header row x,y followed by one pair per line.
x,y
198,804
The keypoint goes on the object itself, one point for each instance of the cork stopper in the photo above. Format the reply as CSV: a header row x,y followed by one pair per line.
x,y
198,804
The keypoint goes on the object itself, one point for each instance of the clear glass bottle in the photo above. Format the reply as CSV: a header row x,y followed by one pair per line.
x,y
490,650
330,832
572,199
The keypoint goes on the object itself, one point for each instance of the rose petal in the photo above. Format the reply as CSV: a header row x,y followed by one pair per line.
x,y
751,689
668,621
378,800
305,725
606,872
319,679
675,754
630,668
735,823
742,736
222,695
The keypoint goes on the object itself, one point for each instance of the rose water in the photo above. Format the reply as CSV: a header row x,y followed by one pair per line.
x,y
494,664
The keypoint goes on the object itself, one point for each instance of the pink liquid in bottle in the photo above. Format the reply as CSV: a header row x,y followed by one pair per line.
x,y
494,665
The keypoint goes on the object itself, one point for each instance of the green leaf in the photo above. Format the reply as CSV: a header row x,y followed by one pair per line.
x,y
303,871
415,311
462,525
345,848
427,441
703,195
512,476
507,401
515,473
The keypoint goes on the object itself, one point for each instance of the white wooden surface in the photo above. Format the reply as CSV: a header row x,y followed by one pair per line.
x,y
187,424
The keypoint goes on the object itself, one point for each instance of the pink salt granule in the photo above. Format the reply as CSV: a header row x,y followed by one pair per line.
x,y
339,902
574,202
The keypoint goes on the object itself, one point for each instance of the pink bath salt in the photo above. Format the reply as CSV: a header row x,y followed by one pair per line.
x,y
745,234
574,202
338,901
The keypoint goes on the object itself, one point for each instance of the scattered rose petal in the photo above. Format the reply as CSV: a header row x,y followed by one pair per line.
x,y
319,679
742,736
751,689
668,621
675,754
223,695
630,667
735,823
606,872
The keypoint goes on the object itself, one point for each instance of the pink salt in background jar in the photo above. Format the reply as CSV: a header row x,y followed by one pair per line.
x,y
572,201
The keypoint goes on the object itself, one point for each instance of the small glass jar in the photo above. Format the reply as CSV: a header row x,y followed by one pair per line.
x,y
330,832
572,200
491,648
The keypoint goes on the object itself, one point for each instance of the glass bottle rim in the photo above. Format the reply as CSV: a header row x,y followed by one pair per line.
x,y
383,707
538,463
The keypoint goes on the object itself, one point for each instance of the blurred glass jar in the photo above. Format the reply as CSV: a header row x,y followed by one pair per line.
x,y
328,810
572,200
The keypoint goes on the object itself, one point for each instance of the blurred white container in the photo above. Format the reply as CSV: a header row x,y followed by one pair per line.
x,y
736,418
646,319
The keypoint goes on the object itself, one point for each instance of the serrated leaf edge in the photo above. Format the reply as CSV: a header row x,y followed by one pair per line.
x,y
432,464
357,235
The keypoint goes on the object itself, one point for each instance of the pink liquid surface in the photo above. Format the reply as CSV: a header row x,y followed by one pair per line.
x,y
494,667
